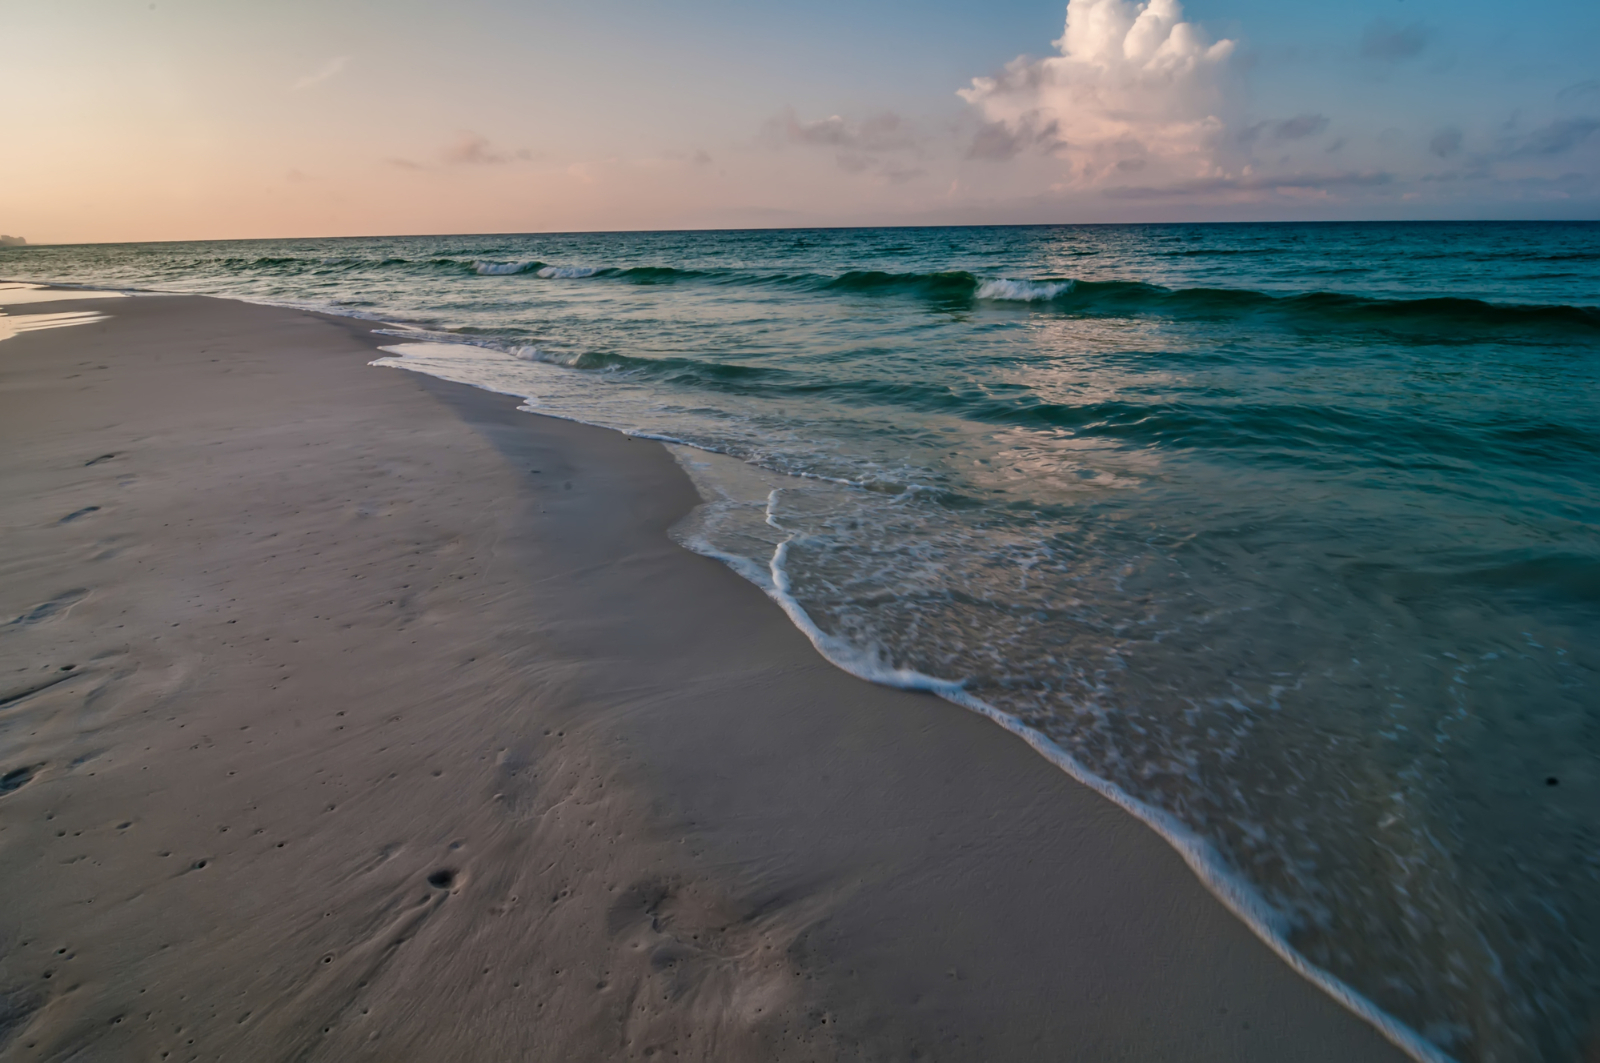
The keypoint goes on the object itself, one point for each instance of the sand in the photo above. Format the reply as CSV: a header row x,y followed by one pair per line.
x,y
347,714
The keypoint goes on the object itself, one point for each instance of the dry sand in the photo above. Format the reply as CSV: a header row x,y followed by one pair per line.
x,y
346,714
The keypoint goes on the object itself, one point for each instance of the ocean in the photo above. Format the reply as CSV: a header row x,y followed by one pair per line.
x,y
1284,536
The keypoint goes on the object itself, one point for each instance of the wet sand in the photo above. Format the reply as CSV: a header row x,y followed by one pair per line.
x,y
348,714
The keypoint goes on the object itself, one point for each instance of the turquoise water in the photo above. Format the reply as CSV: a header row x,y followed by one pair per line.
x,y
1289,533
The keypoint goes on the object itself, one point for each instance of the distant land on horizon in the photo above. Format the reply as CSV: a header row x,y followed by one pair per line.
x,y
12,241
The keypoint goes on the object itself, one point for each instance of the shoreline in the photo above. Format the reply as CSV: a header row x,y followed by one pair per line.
x,y
1236,894
608,577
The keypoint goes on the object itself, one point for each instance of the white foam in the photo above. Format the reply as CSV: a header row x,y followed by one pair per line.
x,y
499,269
568,272
458,362
534,353
1004,290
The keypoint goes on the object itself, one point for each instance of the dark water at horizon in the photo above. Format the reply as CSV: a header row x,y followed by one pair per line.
x,y
1291,533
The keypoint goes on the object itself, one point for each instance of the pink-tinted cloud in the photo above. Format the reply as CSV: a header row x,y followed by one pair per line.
x,y
1134,86
474,149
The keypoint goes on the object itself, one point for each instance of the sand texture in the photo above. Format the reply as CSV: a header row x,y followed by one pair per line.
x,y
346,714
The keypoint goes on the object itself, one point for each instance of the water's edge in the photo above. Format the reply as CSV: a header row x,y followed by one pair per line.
x,y
1235,894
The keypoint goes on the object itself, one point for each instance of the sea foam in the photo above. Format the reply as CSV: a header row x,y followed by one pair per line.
x,y
502,269
568,272
1018,291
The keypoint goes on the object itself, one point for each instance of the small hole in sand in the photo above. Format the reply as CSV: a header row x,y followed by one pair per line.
x,y
442,879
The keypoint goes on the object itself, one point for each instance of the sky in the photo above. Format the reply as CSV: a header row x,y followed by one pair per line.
x,y
214,119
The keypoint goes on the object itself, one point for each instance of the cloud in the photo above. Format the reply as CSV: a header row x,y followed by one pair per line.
x,y
467,149
999,142
327,70
698,157
1138,109
882,145
885,131
1557,137
1385,42
1283,184
1133,85
474,149
1299,127
1446,142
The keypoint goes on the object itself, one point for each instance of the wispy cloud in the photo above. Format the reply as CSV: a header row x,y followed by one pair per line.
x,y
1385,42
474,149
883,145
885,131
327,70
1557,137
467,149
1289,184
697,157
1299,127
1446,142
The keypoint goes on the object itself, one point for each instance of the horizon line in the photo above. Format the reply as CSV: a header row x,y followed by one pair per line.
x,y
818,228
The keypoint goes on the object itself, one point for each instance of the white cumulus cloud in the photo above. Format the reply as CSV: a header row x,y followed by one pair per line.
x,y
1135,89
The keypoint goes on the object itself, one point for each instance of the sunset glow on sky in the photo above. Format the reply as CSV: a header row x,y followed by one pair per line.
x,y
179,120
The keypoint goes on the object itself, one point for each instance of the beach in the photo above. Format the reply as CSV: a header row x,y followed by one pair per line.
x,y
353,714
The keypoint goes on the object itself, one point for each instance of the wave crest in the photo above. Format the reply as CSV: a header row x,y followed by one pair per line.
x,y
505,269
1007,290
569,272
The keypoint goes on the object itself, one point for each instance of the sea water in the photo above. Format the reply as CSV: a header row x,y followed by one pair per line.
x,y
1286,537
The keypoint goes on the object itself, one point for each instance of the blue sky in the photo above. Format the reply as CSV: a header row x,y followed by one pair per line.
x,y
184,119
